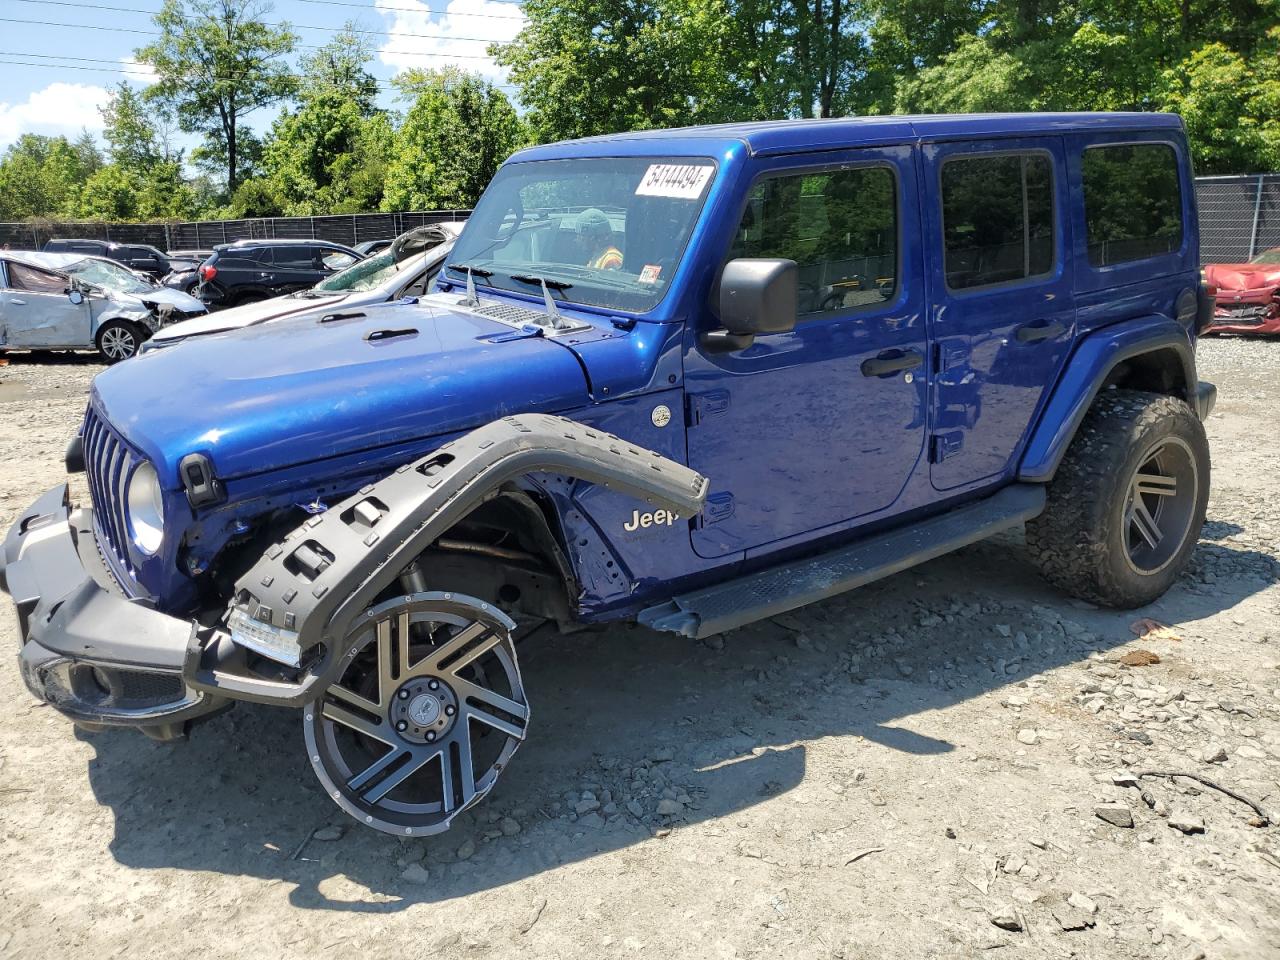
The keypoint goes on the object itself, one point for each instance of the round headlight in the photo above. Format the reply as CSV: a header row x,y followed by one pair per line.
x,y
146,508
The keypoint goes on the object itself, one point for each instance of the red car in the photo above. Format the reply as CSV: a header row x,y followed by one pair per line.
x,y
1248,294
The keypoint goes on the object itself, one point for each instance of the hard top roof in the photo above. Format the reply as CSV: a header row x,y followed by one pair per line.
x,y
791,136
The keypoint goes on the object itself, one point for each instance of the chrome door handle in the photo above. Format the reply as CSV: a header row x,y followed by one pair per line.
x,y
17,302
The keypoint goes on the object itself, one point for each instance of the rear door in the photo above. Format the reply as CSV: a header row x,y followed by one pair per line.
x,y
1001,295
809,428
292,267
36,310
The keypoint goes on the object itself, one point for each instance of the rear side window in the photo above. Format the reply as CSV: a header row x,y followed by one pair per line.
x,y
1132,202
997,219
294,258
22,277
839,226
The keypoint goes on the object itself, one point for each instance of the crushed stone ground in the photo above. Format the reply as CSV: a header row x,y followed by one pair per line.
x,y
933,766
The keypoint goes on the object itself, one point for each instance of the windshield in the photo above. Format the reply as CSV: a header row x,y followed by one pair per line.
x,y
605,232
361,276
1270,258
108,276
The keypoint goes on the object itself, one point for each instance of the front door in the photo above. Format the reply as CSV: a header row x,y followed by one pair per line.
x,y
36,310
1002,299
806,429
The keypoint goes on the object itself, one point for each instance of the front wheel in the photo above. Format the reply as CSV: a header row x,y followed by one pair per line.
x,y
118,340
1125,508
427,714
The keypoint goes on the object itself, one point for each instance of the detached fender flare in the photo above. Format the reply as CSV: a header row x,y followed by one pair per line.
x,y
1095,356
309,590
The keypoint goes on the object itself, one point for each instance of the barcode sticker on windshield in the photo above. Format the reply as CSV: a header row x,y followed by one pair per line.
x,y
684,181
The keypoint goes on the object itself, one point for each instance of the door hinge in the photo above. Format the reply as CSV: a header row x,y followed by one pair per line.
x,y
949,354
944,445
702,406
719,507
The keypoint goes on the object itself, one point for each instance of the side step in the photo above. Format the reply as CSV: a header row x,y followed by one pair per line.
x,y
767,593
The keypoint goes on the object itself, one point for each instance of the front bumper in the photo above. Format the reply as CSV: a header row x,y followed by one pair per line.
x,y
87,650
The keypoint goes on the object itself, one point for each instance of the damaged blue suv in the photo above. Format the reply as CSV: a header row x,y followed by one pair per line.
x,y
689,378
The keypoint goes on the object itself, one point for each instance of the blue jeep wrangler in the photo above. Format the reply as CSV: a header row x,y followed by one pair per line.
x,y
689,378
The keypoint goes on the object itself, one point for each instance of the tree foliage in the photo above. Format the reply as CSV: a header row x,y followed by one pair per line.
x,y
457,131
217,62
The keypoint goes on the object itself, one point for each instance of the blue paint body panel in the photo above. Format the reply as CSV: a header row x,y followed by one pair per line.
x,y
801,448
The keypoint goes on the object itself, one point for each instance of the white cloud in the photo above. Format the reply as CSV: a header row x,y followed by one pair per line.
x,y
141,74
60,108
452,37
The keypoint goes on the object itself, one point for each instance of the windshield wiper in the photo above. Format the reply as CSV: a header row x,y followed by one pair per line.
x,y
557,322
472,272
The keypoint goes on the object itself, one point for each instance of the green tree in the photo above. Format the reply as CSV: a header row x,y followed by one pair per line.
x,y
588,67
217,62
457,132
318,157
42,176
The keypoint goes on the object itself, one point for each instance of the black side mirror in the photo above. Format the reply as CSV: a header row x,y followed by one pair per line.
x,y
756,296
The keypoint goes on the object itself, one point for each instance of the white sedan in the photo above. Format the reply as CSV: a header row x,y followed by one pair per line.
x,y
405,269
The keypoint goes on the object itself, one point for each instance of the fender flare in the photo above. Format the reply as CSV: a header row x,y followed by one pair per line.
x,y
1086,371
307,592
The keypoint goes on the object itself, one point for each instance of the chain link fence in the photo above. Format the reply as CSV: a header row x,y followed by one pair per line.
x,y
205,234
1239,217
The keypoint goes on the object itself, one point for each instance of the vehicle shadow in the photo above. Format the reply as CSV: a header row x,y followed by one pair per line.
x,y
634,712
45,358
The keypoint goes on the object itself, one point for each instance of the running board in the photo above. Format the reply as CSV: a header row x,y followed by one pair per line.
x,y
769,592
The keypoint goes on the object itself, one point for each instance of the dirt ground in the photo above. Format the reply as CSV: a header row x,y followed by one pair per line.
x,y
883,775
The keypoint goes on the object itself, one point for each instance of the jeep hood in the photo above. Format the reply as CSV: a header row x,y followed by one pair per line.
x,y
297,390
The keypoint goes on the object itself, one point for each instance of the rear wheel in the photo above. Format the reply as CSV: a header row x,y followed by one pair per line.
x,y
1126,506
118,340
425,717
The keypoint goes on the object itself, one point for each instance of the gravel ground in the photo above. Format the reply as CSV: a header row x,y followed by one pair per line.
x,y
933,766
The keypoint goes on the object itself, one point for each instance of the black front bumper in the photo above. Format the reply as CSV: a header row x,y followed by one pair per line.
x,y
86,649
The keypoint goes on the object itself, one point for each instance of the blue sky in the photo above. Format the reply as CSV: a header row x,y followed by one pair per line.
x,y
54,78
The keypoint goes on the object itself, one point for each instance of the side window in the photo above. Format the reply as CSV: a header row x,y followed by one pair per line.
x,y
839,226
22,277
294,257
997,219
1132,202
336,259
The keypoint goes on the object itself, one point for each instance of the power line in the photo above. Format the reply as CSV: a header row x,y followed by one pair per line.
x,y
296,26
304,46
380,85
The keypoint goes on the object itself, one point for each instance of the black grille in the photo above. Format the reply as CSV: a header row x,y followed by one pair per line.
x,y
108,461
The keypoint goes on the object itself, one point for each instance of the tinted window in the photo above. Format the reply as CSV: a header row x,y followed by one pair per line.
x,y
840,226
22,277
294,258
997,219
1132,202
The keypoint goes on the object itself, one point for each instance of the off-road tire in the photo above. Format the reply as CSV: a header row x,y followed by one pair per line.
x,y
1081,542
115,332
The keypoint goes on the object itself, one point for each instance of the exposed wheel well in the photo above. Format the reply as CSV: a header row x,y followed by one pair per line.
x,y
1159,371
504,552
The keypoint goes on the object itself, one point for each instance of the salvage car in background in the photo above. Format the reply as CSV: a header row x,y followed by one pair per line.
x,y
184,269
1248,299
406,269
250,270
65,301
141,257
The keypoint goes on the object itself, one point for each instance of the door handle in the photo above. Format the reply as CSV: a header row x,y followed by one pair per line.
x,y
1047,331
16,302
891,362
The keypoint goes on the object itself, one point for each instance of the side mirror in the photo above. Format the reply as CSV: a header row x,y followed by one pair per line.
x,y
75,296
756,296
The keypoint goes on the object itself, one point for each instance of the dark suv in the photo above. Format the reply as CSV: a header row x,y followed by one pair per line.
x,y
251,270
136,256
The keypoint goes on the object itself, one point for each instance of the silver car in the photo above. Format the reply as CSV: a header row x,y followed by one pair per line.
x,y
406,268
68,301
